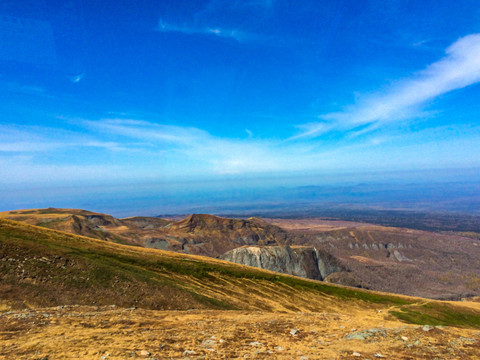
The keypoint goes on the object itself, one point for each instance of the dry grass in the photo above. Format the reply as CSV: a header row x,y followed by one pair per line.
x,y
116,333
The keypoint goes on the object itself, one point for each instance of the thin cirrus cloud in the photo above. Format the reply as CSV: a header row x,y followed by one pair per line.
x,y
459,68
195,150
206,151
237,35
150,150
145,130
38,139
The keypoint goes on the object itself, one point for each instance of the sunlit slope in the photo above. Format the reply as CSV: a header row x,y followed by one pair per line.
x,y
76,221
198,234
42,267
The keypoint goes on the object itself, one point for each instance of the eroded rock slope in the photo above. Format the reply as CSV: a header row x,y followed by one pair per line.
x,y
303,261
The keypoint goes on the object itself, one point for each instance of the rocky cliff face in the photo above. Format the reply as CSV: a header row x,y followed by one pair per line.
x,y
303,261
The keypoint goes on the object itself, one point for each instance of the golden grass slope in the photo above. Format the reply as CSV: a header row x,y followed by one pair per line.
x,y
76,221
81,332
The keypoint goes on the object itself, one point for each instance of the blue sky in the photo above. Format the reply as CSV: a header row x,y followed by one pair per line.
x,y
125,92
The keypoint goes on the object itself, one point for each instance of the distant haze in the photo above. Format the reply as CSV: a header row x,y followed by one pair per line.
x,y
455,190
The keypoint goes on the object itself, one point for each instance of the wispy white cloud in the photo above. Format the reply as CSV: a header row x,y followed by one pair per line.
x,y
236,20
137,149
197,151
459,68
234,34
146,130
202,150
37,139
44,146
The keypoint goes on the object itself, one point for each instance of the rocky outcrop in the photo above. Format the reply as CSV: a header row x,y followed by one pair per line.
x,y
303,261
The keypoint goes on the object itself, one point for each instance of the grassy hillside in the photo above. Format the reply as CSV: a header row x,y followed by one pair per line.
x,y
43,267
79,222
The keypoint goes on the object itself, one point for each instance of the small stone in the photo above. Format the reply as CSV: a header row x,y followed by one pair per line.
x,y
144,353
404,338
356,354
356,336
255,343
377,355
427,328
189,352
303,357
279,348
294,332
208,342
467,340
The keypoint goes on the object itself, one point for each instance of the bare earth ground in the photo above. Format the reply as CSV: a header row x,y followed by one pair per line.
x,y
109,332
316,225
